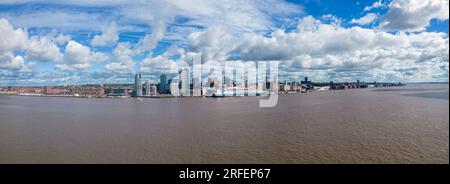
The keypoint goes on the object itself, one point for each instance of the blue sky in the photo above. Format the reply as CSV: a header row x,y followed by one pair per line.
x,y
77,42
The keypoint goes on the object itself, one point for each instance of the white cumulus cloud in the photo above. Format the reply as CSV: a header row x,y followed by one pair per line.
x,y
78,57
414,15
340,51
108,37
17,63
34,48
122,59
366,19
375,5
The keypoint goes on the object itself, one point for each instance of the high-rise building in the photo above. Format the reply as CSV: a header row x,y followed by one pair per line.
x,y
147,87
306,81
153,89
174,85
138,85
163,83
185,83
196,87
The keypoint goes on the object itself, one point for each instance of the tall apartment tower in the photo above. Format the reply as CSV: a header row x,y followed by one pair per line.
x,y
138,84
153,90
163,83
185,82
147,88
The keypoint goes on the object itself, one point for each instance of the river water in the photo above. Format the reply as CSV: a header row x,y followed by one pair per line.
x,y
379,125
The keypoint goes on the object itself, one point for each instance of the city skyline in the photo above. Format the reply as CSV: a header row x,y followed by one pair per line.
x,y
184,85
82,42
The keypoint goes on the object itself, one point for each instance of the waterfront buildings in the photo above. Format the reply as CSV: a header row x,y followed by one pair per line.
x,y
150,89
196,87
153,89
163,88
295,86
358,84
174,86
94,91
118,92
285,86
306,85
138,85
25,89
182,86
147,88
48,90
86,90
185,82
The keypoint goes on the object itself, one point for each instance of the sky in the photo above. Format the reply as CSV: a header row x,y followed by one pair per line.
x,y
46,42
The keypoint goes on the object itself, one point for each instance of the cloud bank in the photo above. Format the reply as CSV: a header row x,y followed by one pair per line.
x,y
107,42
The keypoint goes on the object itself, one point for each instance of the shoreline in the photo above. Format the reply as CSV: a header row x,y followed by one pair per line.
x,y
170,96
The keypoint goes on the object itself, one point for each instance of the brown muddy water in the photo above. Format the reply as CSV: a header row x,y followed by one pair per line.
x,y
379,125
